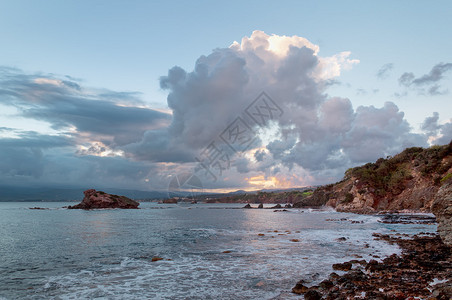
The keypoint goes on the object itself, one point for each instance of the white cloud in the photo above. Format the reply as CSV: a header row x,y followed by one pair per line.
x,y
48,81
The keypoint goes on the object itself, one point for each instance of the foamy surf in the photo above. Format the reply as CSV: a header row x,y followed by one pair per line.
x,y
207,253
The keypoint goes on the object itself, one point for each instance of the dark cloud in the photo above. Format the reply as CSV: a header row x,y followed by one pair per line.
x,y
20,162
384,71
361,92
406,79
259,155
435,90
104,116
430,124
23,156
429,83
93,124
435,75
33,139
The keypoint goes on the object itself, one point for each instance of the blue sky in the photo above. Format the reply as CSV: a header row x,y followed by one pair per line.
x,y
127,46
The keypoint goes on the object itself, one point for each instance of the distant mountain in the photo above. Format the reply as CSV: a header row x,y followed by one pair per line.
x,y
30,194
291,195
14,193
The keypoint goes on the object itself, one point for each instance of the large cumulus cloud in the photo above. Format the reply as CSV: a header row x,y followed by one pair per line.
x,y
318,133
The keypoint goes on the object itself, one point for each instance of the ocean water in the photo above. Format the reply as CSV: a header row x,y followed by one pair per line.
x,y
107,254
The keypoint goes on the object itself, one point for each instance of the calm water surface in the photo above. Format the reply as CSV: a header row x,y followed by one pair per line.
x,y
106,254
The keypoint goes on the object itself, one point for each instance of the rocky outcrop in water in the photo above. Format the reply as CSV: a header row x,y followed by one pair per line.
x,y
170,201
97,199
442,208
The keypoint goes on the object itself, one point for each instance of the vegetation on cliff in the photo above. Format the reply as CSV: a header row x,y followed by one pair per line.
x,y
390,176
408,180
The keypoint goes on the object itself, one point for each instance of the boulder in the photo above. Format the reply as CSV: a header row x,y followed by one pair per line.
x,y
170,201
98,199
247,206
261,205
342,267
300,288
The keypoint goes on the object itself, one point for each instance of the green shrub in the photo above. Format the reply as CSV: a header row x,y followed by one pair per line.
x,y
348,198
446,178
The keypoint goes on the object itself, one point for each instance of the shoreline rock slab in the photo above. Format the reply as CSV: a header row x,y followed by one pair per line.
x,y
97,199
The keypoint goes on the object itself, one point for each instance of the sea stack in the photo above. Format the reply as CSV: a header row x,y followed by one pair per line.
x,y
98,199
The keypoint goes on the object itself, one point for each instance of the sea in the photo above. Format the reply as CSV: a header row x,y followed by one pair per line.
x,y
207,251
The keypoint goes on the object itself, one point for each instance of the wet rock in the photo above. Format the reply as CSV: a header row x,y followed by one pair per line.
x,y
341,239
261,205
260,284
247,206
156,258
396,218
326,284
443,290
312,295
276,206
288,205
342,267
300,288
333,276
170,201
357,222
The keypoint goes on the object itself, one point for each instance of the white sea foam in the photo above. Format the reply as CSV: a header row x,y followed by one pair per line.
x,y
268,259
227,254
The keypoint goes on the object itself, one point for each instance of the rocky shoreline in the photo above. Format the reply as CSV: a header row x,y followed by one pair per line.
x,y
422,271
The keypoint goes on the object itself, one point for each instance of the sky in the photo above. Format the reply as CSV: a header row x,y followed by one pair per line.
x,y
253,95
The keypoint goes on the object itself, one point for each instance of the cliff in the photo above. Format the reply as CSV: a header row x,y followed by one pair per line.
x,y
442,208
97,199
408,181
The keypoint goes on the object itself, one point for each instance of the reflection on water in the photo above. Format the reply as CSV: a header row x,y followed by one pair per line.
x,y
207,253
97,230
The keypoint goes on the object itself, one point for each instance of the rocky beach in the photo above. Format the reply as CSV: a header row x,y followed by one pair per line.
x,y
401,190
417,180
422,271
